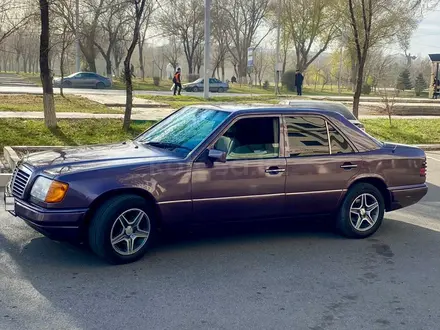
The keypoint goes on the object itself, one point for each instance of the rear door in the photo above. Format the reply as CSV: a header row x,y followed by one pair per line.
x,y
320,164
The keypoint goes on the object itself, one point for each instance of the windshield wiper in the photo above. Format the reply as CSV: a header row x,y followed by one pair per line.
x,y
167,145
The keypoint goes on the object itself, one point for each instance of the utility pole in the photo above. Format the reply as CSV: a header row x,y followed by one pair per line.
x,y
277,61
207,59
78,61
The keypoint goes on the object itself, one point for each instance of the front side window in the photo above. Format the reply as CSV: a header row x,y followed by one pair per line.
x,y
251,138
307,136
184,130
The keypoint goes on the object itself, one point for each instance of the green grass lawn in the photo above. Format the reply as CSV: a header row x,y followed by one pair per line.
x,y
409,131
177,102
32,77
69,132
92,131
71,103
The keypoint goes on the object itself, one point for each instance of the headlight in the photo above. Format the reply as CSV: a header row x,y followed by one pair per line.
x,y
49,191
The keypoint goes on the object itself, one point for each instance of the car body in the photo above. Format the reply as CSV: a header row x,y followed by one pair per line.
x,y
332,106
213,164
215,85
83,80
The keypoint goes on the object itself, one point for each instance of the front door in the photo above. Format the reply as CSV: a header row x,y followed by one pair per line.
x,y
251,183
318,170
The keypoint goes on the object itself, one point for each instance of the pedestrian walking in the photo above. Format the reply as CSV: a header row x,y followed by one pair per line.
x,y
299,78
177,80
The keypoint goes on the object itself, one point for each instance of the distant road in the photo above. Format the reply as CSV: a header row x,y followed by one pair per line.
x,y
39,90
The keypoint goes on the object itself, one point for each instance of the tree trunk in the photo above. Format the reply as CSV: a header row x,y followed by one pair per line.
x,y
108,65
127,66
30,66
50,119
358,89
141,59
18,64
63,50
91,64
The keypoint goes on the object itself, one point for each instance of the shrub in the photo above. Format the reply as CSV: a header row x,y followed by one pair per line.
x,y
192,77
420,84
288,80
404,80
156,81
366,89
266,85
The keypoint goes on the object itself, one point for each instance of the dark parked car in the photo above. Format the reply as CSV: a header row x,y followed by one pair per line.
x,y
333,106
215,85
208,164
84,80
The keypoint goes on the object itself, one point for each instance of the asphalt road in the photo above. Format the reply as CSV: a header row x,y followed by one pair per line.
x,y
39,90
269,277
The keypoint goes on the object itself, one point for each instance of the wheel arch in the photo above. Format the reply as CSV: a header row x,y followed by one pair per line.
x,y
380,184
122,191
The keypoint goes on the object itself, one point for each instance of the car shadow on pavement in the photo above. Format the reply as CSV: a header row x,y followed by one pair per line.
x,y
204,259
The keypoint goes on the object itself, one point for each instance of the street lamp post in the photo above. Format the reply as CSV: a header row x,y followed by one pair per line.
x,y
207,57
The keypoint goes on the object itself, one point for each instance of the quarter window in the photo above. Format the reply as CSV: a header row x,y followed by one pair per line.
x,y
307,136
339,144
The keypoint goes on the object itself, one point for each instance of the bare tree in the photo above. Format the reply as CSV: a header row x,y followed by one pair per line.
x,y
171,51
309,24
184,19
50,119
18,45
159,60
262,64
242,21
13,17
221,40
145,24
138,12
388,100
373,22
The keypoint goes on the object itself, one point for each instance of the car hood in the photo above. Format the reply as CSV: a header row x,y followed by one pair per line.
x,y
63,160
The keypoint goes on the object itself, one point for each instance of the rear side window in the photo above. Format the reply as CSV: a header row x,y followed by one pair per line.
x,y
339,145
307,136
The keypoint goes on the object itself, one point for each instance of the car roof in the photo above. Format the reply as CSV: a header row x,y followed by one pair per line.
x,y
267,109
327,105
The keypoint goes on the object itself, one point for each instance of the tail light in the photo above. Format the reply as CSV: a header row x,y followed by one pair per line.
x,y
424,168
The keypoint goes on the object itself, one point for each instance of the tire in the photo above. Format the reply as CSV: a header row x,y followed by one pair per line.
x,y
195,89
221,90
100,85
357,218
107,223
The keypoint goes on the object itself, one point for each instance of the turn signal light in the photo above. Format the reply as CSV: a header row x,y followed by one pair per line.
x,y
57,191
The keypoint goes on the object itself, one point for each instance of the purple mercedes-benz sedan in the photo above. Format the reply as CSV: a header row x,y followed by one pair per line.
x,y
209,164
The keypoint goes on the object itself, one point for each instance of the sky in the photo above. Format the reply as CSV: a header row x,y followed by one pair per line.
x,y
426,39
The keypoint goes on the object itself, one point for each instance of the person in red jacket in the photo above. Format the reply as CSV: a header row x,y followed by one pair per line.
x,y
177,80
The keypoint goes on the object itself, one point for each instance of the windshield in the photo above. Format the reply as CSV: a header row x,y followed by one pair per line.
x,y
184,130
200,80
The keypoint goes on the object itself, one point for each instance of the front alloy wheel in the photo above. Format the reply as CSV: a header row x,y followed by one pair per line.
x,y
130,232
122,228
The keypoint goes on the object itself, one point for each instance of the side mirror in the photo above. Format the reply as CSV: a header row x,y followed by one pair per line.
x,y
217,155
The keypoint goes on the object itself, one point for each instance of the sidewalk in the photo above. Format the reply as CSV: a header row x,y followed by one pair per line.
x,y
137,114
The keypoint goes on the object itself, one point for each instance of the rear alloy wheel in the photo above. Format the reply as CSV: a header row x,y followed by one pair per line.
x,y
195,89
221,90
362,211
100,85
122,229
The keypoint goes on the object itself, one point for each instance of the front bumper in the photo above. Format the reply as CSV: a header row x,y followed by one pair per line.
x,y
56,224
405,196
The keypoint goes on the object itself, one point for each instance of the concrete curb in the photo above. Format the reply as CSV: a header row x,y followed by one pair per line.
x,y
137,105
10,156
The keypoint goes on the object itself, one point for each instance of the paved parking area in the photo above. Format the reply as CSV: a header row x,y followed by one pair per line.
x,y
276,277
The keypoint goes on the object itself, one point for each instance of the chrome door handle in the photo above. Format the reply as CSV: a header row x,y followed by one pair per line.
x,y
348,166
275,170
